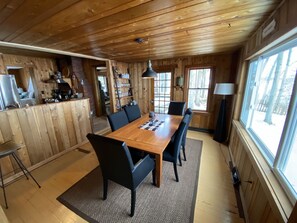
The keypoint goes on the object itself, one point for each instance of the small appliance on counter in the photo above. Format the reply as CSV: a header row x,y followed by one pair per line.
x,y
63,93
9,96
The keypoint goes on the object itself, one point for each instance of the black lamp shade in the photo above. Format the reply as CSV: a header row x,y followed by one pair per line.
x,y
149,73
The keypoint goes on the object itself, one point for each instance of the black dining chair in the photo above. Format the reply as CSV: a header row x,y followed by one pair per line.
x,y
116,164
190,113
176,108
132,112
117,120
171,152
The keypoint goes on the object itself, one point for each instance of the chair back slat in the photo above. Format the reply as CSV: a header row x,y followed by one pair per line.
x,y
114,158
179,136
132,112
117,120
176,108
190,113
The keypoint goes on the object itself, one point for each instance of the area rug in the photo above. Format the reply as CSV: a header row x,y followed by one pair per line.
x,y
172,202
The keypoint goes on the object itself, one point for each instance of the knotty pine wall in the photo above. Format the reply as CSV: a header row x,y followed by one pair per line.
x,y
45,131
224,65
258,205
285,19
122,68
89,67
264,199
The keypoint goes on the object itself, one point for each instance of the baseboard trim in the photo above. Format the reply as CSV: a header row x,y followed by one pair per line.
x,y
211,131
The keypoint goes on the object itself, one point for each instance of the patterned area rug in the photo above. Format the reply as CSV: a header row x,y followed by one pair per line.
x,y
172,202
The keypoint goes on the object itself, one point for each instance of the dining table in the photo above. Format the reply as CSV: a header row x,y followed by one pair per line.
x,y
149,135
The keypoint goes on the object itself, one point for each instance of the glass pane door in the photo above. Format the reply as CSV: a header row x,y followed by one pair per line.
x,y
162,92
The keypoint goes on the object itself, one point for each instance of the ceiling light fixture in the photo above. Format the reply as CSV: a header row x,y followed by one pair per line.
x,y
149,73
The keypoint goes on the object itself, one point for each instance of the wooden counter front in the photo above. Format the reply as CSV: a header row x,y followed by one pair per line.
x,y
46,131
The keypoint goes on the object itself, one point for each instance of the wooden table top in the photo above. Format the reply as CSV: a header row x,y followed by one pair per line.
x,y
151,141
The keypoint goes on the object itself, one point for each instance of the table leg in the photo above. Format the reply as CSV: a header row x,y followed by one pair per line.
x,y
159,161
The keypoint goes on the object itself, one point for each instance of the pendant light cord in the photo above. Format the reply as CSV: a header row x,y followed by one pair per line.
x,y
148,40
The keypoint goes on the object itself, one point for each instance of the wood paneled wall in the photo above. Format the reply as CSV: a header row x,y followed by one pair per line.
x,y
38,68
258,194
224,71
90,71
122,68
44,130
263,198
285,21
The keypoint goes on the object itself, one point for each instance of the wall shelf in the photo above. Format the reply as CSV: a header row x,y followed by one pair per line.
x,y
122,89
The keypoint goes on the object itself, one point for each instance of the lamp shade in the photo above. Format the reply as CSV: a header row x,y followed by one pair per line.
x,y
180,81
224,89
149,73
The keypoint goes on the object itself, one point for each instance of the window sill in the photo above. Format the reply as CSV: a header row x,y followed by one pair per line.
x,y
202,112
276,195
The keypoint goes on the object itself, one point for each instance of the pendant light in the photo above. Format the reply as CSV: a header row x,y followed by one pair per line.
x,y
149,73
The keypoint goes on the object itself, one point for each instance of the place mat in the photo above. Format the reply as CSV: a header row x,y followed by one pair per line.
x,y
154,127
173,202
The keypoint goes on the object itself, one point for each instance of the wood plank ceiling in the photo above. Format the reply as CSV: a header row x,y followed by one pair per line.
x,y
107,29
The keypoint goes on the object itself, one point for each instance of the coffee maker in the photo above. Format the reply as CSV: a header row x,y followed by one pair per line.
x,y
63,93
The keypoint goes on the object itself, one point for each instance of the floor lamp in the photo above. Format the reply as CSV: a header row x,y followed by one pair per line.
x,y
220,133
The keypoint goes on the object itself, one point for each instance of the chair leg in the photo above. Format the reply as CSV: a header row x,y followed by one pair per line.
x,y
154,177
179,158
184,151
105,188
175,172
133,199
3,187
22,166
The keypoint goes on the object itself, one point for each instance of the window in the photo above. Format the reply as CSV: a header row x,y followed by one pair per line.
x,y
162,92
199,83
269,111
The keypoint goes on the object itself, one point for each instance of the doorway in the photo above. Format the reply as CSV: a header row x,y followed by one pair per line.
x,y
103,92
25,85
102,97
162,92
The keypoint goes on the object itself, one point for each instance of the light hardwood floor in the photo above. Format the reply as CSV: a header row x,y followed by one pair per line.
x,y
27,203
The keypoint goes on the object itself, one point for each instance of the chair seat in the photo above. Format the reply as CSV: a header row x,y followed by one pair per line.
x,y
8,148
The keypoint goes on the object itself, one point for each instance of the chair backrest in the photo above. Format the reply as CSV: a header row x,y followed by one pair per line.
x,y
117,120
132,112
114,158
179,136
176,108
190,113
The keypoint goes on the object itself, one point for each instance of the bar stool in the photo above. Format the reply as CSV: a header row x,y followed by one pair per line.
x,y
10,148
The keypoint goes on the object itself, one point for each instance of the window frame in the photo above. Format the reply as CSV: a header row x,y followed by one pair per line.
x,y
163,70
187,79
289,129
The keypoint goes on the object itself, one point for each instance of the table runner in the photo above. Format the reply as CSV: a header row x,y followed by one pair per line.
x,y
154,127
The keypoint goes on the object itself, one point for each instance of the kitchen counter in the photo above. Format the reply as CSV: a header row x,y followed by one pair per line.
x,y
46,131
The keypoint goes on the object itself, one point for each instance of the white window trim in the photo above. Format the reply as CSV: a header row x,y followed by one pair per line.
x,y
209,86
290,125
